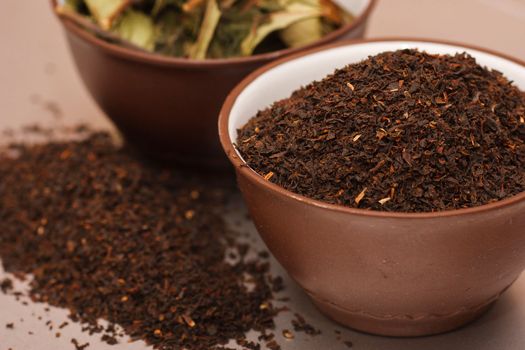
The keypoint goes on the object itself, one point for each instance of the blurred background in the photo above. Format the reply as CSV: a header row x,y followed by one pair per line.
x,y
38,77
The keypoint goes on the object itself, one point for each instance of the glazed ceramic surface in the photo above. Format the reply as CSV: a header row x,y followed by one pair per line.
x,y
398,274
168,106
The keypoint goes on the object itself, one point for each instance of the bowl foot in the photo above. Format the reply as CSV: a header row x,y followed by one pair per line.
x,y
398,327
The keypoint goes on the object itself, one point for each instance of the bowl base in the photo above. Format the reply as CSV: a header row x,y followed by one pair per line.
x,y
398,327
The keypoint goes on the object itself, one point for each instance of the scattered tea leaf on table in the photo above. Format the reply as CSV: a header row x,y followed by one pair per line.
x,y
112,237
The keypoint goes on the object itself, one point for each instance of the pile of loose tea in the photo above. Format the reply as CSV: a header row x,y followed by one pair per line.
x,y
145,248
400,131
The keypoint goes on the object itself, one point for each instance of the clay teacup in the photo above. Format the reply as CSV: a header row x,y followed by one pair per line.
x,y
396,274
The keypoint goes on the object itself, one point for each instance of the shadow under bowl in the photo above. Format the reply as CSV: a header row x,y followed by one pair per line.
x,y
394,274
167,107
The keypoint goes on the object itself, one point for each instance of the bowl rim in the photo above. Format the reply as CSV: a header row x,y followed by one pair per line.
x,y
242,168
157,59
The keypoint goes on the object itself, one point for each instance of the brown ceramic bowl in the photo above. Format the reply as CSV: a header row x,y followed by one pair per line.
x,y
168,106
396,274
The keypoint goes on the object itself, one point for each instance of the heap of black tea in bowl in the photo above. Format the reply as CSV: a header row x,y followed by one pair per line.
x,y
401,131
109,237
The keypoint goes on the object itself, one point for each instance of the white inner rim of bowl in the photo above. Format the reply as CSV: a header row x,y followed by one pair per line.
x,y
280,81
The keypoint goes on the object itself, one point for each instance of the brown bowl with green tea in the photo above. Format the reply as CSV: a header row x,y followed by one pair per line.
x,y
161,69
387,177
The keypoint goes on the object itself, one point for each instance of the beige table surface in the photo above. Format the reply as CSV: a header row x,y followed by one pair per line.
x,y
38,83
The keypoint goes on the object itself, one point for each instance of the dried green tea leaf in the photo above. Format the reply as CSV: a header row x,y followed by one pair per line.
x,y
192,5
167,31
200,29
313,29
71,5
74,11
208,26
234,26
293,13
303,32
69,9
273,5
226,4
106,11
334,13
176,33
160,5
137,28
